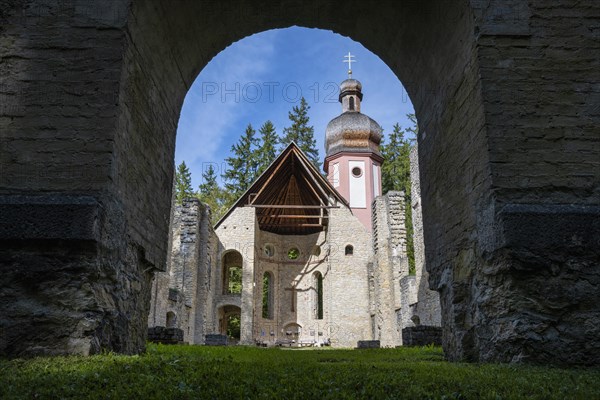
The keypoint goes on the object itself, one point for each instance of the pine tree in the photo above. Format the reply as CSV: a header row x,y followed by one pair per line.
x,y
183,183
395,175
241,166
210,193
266,152
301,133
396,167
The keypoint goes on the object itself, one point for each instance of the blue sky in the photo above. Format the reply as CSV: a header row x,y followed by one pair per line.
x,y
263,76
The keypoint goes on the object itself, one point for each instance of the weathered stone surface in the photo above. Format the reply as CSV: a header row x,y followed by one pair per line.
x,y
160,334
428,309
507,100
422,335
185,289
215,340
368,344
390,265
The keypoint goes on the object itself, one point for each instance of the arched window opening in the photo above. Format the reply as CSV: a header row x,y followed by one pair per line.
x,y
349,250
267,296
318,295
292,330
232,273
171,320
351,103
269,250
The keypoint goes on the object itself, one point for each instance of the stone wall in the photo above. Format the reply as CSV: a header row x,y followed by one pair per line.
x,y
184,289
428,309
237,232
390,264
422,335
75,263
347,279
160,334
398,301
286,274
208,260
345,286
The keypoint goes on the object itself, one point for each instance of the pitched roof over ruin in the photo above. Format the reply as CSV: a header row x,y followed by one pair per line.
x,y
291,197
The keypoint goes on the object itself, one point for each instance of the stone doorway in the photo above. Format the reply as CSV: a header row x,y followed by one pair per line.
x,y
230,323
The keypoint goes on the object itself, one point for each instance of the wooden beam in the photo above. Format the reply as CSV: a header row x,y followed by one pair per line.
x,y
269,179
313,178
294,206
292,225
293,216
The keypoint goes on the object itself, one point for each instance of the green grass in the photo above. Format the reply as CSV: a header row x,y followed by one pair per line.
x,y
187,372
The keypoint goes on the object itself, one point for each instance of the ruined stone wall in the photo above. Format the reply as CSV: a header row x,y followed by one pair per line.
x,y
522,195
390,264
347,279
397,299
238,232
286,274
70,252
428,309
184,289
206,286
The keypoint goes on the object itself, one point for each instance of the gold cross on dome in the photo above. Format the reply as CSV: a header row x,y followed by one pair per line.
x,y
349,59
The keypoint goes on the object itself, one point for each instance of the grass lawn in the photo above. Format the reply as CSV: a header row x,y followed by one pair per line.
x,y
187,372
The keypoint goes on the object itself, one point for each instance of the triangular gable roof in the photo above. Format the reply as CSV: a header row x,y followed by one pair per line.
x,y
290,196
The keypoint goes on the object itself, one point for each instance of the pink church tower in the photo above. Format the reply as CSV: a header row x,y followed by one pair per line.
x,y
353,161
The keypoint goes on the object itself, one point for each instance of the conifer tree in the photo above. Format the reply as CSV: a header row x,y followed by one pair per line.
x,y
210,193
265,154
241,165
183,183
301,133
395,171
395,175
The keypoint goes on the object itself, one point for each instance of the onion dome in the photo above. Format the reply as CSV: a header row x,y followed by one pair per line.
x,y
352,131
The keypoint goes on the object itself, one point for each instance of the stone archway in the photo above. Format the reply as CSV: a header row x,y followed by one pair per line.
x,y
510,220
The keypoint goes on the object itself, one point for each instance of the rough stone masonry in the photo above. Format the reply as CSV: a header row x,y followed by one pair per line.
x,y
506,94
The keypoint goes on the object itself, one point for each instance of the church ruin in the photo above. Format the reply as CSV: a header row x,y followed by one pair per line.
x,y
506,96
317,261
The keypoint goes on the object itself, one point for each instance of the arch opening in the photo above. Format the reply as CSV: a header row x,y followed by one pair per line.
x,y
232,273
267,296
230,322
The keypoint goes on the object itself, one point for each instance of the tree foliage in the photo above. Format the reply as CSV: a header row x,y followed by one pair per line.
x,y
301,133
211,194
234,280
241,165
183,183
266,152
234,326
395,175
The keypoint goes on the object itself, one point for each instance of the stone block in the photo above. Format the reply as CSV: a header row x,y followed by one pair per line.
x,y
160,334
368,344
422,335
215,340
